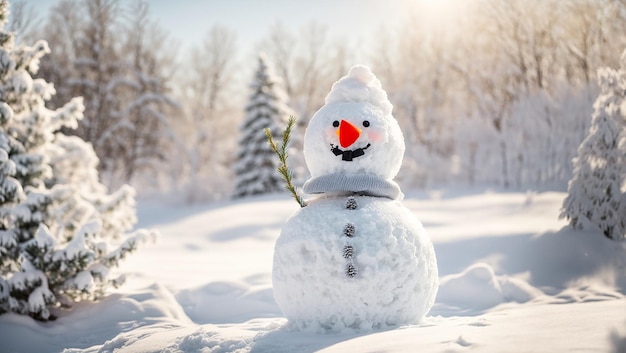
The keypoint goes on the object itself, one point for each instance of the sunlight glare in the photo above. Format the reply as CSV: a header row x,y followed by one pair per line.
x,y
438,14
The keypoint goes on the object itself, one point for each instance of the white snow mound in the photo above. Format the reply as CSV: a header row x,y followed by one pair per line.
x,y
360,85
478,288
396,281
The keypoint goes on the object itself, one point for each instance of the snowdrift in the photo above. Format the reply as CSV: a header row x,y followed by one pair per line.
x,y
512,278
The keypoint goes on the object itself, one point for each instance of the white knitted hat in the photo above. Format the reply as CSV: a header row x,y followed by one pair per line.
x,y
360,85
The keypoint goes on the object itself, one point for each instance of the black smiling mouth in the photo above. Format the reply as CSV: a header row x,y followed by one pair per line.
x,y
348,155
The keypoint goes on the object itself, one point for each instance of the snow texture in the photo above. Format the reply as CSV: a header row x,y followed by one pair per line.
x,y
360,85
256,165
347,260
478,288
208,288
596,191
358,99
57,220
397,271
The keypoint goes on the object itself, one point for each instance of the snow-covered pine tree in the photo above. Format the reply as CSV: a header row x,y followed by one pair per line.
x,y
60,233
256,165
596,193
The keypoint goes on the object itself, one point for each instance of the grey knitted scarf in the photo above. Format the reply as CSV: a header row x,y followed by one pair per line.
x,y
347,184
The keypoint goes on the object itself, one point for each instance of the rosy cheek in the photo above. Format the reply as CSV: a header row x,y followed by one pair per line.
x,y
375,136
330,134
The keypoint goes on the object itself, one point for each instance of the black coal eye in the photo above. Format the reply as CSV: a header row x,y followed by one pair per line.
x,y
335,123
366,123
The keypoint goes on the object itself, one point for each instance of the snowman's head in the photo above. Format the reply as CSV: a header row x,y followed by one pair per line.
x,y
354,132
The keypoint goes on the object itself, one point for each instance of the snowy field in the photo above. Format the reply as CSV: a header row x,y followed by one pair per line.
x,y
513,279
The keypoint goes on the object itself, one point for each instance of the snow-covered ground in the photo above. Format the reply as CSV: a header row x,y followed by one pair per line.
x,y
513,279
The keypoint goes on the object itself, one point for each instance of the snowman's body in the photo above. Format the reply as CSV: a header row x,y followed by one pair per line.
x,y
393,258
354,257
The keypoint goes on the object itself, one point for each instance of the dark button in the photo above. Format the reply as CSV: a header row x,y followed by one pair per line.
x,y
351,203
348,252
349,230
351,270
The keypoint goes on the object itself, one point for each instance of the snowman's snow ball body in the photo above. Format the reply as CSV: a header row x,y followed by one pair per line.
x,y
354,257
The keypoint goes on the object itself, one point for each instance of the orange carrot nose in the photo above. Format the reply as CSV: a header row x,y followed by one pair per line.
x,y
347,133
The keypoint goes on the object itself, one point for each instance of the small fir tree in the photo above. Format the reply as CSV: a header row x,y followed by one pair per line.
x,y
60,233
256,167
596,191
281,152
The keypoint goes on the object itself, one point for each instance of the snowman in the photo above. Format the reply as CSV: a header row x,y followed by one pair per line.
x,y
354,257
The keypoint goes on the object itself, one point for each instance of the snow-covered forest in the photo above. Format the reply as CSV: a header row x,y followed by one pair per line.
x,y
496,93
459,175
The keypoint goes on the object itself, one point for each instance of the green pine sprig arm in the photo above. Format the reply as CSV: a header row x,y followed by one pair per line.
x,y
283,169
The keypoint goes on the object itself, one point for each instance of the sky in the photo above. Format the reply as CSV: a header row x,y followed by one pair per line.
x,y
354,21
252,19
189,20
